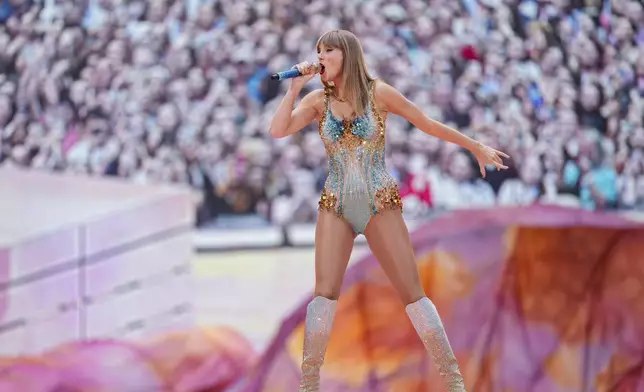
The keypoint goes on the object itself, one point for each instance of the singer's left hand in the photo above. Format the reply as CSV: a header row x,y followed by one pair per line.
x,y
488,156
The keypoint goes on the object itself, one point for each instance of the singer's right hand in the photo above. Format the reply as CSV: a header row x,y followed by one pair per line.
x,y
308,71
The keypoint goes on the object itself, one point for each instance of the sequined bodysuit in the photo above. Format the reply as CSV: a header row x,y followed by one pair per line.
x,y
358,185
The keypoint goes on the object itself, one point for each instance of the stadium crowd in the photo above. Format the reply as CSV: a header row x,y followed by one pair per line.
x,y
178,91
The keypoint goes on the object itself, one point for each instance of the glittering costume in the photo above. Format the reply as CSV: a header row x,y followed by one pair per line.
x,y
358,186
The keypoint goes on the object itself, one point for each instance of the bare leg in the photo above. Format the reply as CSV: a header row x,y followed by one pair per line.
x,y
333,244
389,241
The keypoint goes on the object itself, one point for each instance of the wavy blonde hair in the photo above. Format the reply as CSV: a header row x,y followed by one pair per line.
x,y
355,77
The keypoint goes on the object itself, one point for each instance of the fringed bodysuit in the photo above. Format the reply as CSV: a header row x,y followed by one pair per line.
x,y
358,185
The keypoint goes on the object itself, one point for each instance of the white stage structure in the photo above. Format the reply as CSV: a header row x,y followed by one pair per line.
x,y
84,258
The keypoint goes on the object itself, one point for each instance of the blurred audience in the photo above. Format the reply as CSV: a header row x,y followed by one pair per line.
x,y
178,91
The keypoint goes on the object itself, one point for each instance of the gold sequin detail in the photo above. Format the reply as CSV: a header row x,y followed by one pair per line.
x,y
376,115
322,121
328,201
388,198
349,140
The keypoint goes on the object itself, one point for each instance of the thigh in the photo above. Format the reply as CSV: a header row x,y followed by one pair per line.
x,y
333,245
390,243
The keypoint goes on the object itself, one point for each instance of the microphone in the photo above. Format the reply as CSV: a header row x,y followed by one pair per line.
x,y
293,73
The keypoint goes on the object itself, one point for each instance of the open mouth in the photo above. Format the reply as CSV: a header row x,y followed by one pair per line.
x,y
321,69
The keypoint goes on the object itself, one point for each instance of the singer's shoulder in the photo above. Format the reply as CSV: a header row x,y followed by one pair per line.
x,y
318,93
314,97
382,88
385,95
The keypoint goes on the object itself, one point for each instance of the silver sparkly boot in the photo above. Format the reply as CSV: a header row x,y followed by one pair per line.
x,y
319,321
424,317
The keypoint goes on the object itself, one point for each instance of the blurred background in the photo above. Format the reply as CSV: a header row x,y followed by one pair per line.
x,y
153,236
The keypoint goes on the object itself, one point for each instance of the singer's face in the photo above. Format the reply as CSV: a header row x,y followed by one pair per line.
x,y
331,60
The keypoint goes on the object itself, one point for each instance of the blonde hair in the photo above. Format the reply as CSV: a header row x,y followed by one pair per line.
x,y
355,77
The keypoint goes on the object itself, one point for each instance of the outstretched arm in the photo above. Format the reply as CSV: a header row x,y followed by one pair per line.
x,y
396,103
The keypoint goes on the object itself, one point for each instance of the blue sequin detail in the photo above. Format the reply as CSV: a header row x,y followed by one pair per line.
x,y
360,126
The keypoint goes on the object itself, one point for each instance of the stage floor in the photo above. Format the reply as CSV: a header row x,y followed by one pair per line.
x,y
252,291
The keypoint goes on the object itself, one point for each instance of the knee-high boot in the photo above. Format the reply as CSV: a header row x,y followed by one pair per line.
x,y
319,320
424,317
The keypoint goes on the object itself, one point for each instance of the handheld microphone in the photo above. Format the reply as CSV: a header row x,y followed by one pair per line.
x,y
293,73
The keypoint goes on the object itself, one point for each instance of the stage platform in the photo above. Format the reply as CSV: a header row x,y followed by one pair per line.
x,y
84,258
